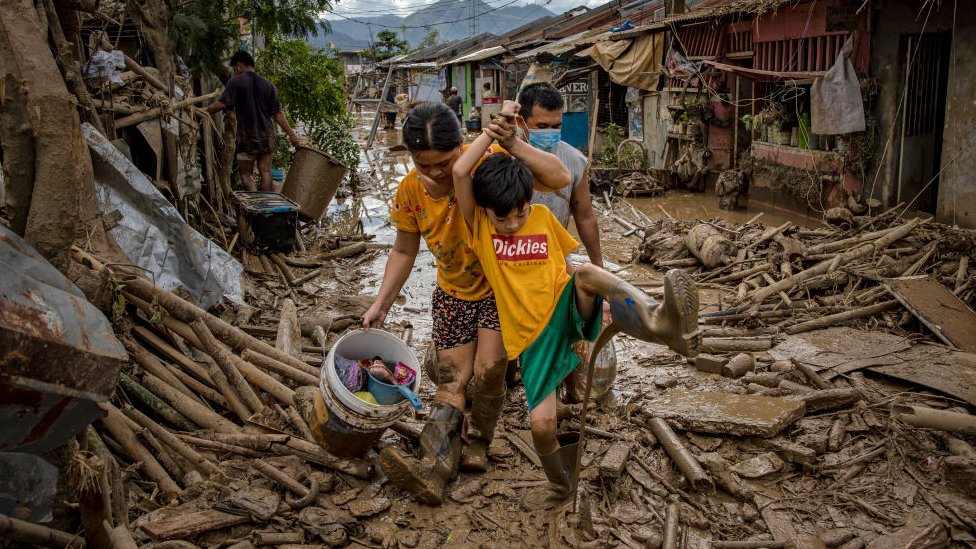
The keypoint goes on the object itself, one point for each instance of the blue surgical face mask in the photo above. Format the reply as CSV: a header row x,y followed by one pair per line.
x,y
545,139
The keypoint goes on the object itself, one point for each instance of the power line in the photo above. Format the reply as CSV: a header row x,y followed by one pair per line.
x,y
442,6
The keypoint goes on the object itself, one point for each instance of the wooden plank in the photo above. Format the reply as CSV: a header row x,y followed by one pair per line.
x,y
185,526
949,318
953,373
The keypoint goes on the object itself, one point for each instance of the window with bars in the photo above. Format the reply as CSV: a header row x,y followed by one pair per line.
x,y
809,54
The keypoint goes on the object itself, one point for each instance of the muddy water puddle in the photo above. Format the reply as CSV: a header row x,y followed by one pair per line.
x,y
688,206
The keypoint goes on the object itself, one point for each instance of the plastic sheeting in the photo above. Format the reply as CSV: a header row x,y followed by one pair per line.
x,y
106,64
632,62
153,234
836,106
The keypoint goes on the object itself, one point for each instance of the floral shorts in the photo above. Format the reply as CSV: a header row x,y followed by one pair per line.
x,y
456,321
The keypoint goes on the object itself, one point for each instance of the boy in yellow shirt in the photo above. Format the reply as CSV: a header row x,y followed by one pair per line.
x,y
542,310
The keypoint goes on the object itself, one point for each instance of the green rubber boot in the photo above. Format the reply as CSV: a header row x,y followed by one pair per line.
x,y
440,451
673,321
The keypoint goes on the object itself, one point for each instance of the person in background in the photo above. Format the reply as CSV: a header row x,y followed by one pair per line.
x,y
542,109
487,91
255,102
454,102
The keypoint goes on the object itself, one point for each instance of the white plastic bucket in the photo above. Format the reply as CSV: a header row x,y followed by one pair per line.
x,y
344,424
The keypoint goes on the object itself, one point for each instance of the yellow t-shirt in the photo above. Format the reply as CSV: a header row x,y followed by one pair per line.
x,y
440,223
527,271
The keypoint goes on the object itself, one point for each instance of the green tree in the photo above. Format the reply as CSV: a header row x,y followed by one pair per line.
x,y
431,38
204,30
310,87
388,44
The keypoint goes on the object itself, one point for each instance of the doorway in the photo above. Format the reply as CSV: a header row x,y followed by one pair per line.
x,y
923,117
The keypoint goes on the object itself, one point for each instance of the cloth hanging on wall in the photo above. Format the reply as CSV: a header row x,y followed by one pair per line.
x,y
836,106
633,62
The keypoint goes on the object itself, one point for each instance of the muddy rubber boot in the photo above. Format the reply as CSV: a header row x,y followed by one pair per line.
x,y
559,466
481,430
440,451
673,321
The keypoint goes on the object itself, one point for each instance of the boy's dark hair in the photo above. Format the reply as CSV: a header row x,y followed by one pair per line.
x,y
241,56
431,126
542,94
502,183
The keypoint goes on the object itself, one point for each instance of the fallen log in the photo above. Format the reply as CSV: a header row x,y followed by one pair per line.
x,y
737,345
173,354
191,524
152,365
828,399
265,382
670,537
234,403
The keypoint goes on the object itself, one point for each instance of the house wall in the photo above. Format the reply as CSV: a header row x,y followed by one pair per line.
x,y
892,20
655,126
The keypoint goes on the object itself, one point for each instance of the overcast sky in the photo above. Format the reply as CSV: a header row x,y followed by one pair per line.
x,y
372,8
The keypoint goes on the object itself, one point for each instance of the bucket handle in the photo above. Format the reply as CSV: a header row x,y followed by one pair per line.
x,y
411,396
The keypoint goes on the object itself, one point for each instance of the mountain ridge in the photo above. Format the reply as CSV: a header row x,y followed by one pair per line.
x,y
449,17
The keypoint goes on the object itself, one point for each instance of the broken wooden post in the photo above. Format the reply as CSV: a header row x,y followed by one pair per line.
x,y
739,365
89,477
671,523
201,415
710,246
120,536
685,460
288,338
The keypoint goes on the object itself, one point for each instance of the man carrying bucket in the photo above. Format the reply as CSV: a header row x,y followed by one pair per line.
x,y
255,102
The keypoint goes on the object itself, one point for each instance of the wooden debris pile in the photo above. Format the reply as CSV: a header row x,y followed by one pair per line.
x,y
208,417
793,279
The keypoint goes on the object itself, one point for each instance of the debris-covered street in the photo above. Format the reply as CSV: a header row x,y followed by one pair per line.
x,y
190,255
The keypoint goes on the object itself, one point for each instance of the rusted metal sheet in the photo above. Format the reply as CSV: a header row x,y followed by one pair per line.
x,y
58,354
938,309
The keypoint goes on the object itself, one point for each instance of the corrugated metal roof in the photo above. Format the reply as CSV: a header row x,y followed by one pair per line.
x,y
478,55
558,47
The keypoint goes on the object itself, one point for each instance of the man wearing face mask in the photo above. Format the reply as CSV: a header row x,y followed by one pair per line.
x,y
542,109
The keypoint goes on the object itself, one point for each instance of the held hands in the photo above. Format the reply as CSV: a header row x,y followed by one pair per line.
x,y
502,126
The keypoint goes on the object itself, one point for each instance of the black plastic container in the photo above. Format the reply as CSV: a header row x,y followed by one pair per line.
x,y
267,222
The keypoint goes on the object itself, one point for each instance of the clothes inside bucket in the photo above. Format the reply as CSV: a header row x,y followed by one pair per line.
x,y
375,381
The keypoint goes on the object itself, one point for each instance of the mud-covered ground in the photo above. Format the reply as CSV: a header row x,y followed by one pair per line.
x,y
845,476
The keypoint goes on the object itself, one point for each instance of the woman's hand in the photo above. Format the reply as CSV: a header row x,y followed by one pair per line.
x,y
375,316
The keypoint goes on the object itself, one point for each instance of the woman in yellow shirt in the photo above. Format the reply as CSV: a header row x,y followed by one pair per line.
x,y
466,330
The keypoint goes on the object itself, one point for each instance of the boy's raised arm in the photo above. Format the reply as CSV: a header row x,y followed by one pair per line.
x,y
548,172
462,176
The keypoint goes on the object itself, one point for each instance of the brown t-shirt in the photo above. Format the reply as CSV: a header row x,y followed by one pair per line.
x,y
255,101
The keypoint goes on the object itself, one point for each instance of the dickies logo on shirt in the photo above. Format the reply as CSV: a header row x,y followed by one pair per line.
x,y
521,248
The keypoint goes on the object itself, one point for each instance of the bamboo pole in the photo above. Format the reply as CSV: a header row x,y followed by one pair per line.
x,y
150,114
198,387
234,403
200,415
152,365
173,354
187,312
195,459
156,404
304,376
265,382
224,359
89,477
116,424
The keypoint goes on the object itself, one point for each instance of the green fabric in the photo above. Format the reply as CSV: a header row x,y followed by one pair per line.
x,y
550,358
